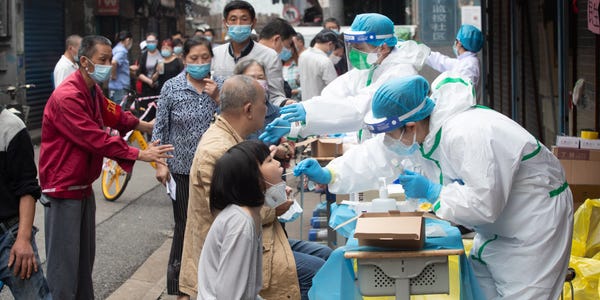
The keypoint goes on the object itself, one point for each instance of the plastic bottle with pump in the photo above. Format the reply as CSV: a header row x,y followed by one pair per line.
x,y
383,203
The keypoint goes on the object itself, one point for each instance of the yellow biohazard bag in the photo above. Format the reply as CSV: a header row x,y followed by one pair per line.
x,y
585,252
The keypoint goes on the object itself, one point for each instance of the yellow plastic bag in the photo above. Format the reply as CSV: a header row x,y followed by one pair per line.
x,y
585,252
586,229
586,282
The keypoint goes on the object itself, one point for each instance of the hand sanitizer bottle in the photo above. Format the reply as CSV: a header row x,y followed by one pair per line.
x,y
383,203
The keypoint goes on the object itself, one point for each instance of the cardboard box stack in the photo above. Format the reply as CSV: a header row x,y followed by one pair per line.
x,y
581,162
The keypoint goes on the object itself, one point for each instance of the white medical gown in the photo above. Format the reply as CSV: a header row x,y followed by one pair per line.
x,y
343,103
499,180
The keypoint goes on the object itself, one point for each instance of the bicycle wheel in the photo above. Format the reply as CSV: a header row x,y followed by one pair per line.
x,y
114,180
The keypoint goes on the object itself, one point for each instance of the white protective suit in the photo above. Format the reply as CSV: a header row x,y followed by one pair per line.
x,y
360,167
466,64
343,103
496,179
500,181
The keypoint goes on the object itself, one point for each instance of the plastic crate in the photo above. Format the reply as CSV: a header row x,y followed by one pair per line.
x,y
423,275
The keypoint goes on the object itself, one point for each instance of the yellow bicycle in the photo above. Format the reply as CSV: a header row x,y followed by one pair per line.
x,y
114,178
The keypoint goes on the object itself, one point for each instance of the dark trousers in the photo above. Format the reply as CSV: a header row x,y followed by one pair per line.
x,y
309,257
180,215
70,247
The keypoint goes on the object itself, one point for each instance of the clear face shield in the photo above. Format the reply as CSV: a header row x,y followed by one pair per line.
x,y
361,54
385,124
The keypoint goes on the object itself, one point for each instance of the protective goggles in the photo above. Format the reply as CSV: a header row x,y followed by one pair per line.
x,y
363,36
385,124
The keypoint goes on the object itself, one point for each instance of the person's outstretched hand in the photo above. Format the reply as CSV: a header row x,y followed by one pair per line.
x,y
418,186
275,130
293,112
311,168
156,152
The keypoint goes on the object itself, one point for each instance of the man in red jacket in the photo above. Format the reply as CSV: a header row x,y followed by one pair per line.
x,y
73,146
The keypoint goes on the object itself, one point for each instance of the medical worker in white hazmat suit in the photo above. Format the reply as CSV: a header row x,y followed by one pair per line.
x,y
487,173
469,41
375,56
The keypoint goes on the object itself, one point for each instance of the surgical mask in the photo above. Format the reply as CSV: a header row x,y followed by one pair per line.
x,y
209,38
264,84
291,214
398,147
239,33
198,71
275,195
165,53
285,54
455,50
335,59
178,50
150,46
361,60
101,72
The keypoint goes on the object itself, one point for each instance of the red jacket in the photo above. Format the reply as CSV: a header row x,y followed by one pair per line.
x,y
74,141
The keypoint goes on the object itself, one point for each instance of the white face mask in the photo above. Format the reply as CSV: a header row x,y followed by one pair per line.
x,y
335,59
275,195
398,147
292,213
373,57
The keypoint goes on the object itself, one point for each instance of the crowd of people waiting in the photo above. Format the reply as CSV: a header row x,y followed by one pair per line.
x,y
224,112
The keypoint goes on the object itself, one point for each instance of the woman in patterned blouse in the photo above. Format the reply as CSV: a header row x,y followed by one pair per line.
x,y
186,108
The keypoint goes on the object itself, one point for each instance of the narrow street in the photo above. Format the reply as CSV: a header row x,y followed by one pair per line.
x,y
128,230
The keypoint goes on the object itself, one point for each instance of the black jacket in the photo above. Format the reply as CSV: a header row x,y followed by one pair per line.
x,y
18,173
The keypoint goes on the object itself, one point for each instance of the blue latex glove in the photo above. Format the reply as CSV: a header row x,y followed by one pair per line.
x,y
293,112
275,130
311,168
418,186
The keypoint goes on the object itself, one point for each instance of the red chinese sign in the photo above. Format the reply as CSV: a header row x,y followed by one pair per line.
x,y
107,7
594,16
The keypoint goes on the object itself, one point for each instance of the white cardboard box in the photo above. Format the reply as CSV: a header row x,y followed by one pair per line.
x,y
567,141
590,144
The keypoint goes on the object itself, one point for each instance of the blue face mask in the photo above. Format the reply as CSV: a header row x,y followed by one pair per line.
x,y
165,53
151,46
455,49
398,147
101,72
209,38
285,54
178,50
239,33
198,71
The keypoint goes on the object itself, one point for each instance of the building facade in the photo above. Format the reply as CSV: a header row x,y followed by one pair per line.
x,y
35,31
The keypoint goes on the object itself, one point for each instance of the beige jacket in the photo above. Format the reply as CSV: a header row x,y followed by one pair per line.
x,y
280,280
